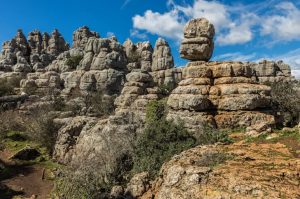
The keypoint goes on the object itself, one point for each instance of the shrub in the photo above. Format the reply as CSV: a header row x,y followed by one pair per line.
x,y
42,129
97,103
161,140
7,85
212,136
73,62
286,98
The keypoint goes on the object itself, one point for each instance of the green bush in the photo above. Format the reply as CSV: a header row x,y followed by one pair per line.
x,y
212,136
73,62
7,85
161,140
286,99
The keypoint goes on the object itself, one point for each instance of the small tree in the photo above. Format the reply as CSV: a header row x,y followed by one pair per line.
x,y
73,62
162,139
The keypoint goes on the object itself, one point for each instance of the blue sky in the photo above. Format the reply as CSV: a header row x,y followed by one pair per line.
x,y
245,30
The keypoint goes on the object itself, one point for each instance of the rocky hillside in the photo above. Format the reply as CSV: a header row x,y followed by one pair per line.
x,y
100,91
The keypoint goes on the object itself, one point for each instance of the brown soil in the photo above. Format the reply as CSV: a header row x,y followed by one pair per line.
x,y
26,178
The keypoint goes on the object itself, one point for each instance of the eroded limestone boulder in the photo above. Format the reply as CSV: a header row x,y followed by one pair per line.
x,y
199,44
81,37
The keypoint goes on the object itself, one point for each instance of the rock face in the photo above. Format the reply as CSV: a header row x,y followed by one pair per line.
x,y
81,37
22,43
270,71
102,68
188,175
57,44
139,56
199,44
223,94
35,41
218,94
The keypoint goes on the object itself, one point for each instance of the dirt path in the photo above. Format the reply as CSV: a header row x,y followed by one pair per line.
x,y
26,178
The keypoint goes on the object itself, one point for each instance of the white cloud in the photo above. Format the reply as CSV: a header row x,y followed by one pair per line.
x,y
240,32
168,25
136,34
285,26
110,34
234,57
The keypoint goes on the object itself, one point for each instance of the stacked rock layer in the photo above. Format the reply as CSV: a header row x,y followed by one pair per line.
x,y
221,94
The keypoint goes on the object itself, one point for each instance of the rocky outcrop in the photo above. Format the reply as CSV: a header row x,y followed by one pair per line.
x,y
251,170
139,56
199,44
221,90
22,43
270,71
219,94
137,83
41,83
35,41
102,68
163,64
57,44
81,37
59,65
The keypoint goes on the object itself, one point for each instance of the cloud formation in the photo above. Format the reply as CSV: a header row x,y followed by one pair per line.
x,y
234,24
136,34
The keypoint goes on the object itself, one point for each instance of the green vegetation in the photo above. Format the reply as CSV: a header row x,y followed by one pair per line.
x,y
286,99
161,140
7,85
73,62
213,135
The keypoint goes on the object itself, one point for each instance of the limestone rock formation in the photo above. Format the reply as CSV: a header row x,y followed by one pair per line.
x,y
216,89
59,65
257,130
163,64
8,56
139,56
199,44
137,82
22,43
102,68
35,41
81,37
188,174
57,44
45,42
270,71
162,56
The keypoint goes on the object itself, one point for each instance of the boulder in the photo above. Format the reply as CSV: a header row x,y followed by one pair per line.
x,y
199,44
257,130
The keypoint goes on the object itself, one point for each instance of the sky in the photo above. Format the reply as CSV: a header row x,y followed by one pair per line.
x,y
246,30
